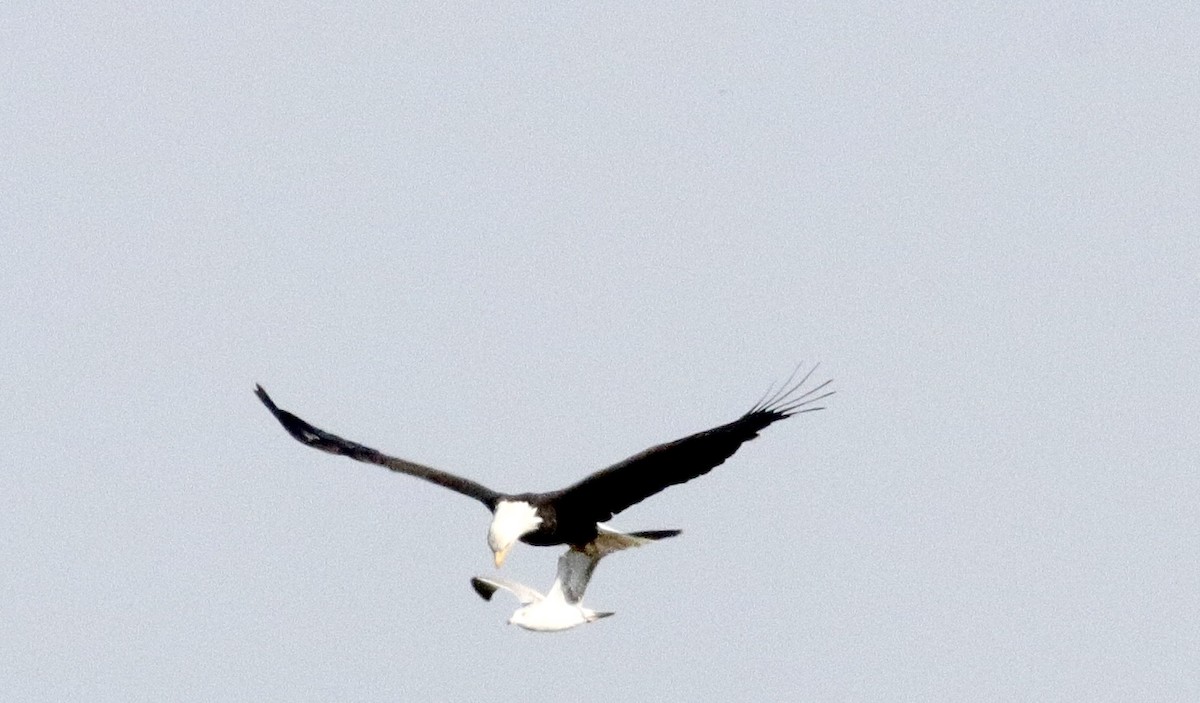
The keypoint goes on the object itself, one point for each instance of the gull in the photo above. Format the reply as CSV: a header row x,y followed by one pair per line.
x,y
561,607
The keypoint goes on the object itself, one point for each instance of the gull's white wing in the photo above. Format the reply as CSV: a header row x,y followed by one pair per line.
x,y
487,586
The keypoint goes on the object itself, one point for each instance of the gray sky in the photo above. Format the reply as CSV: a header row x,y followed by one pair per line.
x,y
523,242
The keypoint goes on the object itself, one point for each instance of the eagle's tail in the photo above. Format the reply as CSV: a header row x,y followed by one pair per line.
x,y
609,540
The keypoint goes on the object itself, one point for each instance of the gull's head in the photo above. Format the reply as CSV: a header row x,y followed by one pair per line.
x,y
513,520
520,618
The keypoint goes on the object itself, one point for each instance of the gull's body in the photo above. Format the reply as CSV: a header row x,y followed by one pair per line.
x,y
570,515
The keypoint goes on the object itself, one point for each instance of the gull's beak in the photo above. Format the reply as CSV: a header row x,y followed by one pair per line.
x,y
501,555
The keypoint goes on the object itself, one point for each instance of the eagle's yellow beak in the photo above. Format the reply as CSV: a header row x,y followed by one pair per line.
x,y
501,555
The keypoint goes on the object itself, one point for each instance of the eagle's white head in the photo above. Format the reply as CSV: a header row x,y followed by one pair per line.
x,y
513,520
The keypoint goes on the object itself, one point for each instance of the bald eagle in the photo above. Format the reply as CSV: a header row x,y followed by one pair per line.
x,y
570,515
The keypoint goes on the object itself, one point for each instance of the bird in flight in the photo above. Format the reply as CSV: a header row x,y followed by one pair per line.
x,y
560,608
572,515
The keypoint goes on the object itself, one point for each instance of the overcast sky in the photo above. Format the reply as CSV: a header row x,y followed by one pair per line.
x,y
522,242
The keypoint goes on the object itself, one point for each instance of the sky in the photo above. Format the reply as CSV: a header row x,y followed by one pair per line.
x,y
524,242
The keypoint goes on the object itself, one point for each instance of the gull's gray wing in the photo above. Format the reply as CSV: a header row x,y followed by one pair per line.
x,y
575,566
574,572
